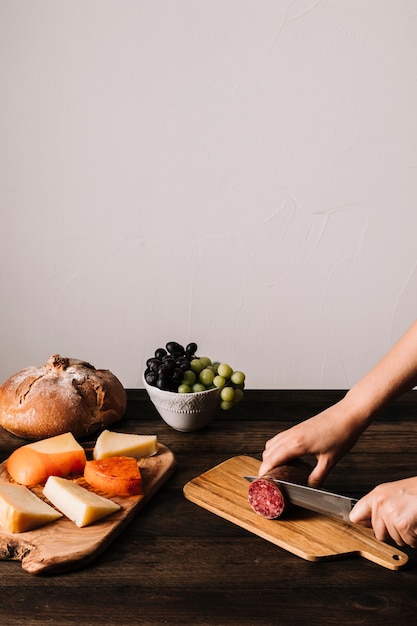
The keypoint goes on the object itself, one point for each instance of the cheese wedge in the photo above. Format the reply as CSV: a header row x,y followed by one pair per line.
x,y
81,506
32,463
21,509
124,444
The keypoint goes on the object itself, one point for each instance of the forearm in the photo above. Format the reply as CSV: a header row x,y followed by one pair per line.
x,y
331,434
392,376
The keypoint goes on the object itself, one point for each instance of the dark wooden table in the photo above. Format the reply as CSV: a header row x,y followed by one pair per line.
x,y
177,563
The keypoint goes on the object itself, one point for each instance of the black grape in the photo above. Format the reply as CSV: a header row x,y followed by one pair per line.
x,y
175,348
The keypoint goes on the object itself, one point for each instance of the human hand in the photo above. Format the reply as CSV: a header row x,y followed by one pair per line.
x,y
391,510
327,436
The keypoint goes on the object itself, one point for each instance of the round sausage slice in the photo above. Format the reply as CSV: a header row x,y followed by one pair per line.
x,y
265,496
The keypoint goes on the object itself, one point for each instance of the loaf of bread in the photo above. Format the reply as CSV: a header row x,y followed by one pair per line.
x,y
65,395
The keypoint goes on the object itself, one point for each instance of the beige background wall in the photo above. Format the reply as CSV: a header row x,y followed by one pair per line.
x,y
242,173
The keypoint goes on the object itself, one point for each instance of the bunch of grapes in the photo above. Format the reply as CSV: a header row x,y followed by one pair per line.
x,y
178,369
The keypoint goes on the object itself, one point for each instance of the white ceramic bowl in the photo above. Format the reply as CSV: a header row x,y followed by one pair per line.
x,y
185,411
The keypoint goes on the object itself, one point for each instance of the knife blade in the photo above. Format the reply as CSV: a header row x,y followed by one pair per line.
x,y
317,500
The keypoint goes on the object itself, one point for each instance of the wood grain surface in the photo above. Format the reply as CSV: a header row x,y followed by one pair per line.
x,y
177,563
61,545
312,536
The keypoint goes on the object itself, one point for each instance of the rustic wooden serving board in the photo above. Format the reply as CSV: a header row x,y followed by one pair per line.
x,y
311,536
61,545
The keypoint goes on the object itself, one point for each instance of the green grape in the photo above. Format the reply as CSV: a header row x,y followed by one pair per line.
x,y
198,387
237,378
206,377
189,378
184,389
206,360
219,381
224,370
227,394
238,395
197,365
226,406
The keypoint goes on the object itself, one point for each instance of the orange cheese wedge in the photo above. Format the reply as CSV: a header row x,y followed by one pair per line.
x,y
116,475
34,462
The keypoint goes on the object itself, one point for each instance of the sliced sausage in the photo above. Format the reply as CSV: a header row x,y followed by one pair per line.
x,y
265,496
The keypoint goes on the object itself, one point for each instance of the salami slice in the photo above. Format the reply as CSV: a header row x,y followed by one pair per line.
x,y
265,496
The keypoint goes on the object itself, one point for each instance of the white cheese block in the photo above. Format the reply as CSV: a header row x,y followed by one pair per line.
x,y
81,506
124,444
21,509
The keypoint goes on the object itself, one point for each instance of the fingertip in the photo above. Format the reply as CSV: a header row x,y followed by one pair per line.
x,y
361,513
263,469
315,479
353,515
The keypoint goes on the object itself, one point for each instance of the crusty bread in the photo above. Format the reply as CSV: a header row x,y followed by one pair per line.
x,y
65,395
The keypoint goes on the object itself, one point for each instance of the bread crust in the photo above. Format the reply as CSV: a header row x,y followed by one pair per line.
x,y
64,395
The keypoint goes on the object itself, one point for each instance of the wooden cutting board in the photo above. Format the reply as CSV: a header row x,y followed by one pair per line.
x,y
61,545
311,536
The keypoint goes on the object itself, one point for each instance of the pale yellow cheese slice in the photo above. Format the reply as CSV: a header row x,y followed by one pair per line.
x,y
124,444
81,506
55,445
21,509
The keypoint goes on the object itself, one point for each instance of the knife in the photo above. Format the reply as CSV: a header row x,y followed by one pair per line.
x,y
317,500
